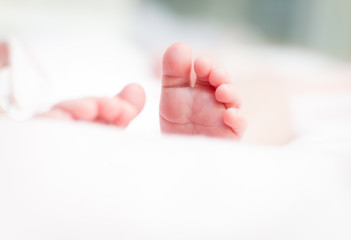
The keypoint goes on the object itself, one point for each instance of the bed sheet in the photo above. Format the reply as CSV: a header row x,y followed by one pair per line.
x,y
78,180
69,180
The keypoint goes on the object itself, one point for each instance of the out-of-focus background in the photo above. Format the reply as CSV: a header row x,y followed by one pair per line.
x,y
290,62
64,49
323,25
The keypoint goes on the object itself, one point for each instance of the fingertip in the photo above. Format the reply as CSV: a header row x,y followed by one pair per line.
x,y
128,113
81,109
134,94
109,109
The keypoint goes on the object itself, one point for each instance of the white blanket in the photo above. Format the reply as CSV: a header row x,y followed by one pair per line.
x,y
69,180
84,181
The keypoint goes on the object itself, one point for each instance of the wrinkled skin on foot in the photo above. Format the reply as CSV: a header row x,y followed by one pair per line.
x,y
211,107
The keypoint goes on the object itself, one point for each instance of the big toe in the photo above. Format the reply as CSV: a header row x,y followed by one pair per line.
x,y
176,66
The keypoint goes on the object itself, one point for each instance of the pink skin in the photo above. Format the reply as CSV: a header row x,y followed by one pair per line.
x,y
118,111
4,54
211,107
4,60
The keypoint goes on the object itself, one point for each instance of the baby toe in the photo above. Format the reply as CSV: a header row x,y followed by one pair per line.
x,y
218,77
176,65
226,93
236,120
202,67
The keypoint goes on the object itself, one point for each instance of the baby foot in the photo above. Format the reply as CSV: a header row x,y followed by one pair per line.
x,y
210,106
118,111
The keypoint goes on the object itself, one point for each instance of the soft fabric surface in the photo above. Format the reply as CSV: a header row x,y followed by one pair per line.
x,y
70,180
75,180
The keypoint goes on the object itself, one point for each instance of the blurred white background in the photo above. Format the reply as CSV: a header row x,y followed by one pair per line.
x,y
79,180
69,49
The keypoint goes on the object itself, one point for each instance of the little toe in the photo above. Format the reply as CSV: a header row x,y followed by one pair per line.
x,y
236,120
218,77
202,67
226,93
176,66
